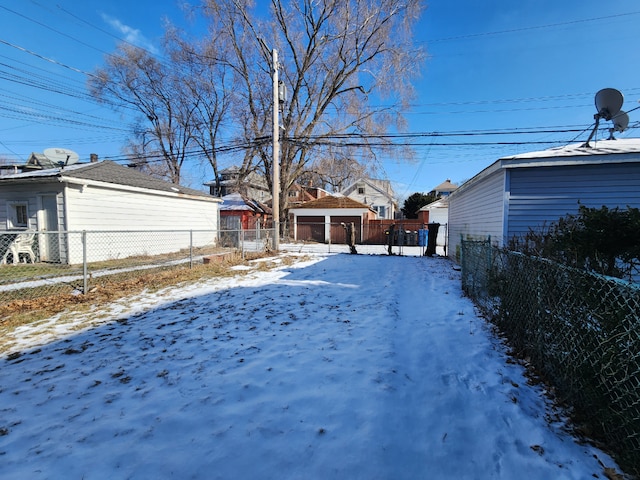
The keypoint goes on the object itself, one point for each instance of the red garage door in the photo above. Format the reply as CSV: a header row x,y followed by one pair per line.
x,y
310,229
338,232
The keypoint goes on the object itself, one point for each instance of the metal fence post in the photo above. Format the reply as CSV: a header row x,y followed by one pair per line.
x,y
190,248
489,255
85,276
242,241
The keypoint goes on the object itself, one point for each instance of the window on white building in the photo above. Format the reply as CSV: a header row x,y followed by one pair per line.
x,y
17,215
381,209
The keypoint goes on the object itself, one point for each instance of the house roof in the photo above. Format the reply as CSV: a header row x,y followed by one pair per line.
x,y
236,202
440,203
381,186
600,152
445,186
40,160
331,201
105,172
601,147
229,178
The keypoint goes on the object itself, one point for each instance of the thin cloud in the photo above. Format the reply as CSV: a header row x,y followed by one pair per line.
x,y
129,34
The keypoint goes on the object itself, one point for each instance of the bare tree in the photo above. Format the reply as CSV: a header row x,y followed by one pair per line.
x,y
206,79
335,172
338,57
133,78
347,65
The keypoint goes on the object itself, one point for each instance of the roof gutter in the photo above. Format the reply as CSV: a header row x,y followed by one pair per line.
x,y
83,183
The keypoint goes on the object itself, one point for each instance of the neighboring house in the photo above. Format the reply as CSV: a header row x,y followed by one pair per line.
x,y
377,194
444,189
321,220
251,186
39,161
102,196
527,191
298,194
438,211
241,213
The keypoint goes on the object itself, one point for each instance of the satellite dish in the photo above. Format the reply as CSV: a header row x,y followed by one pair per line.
x,y
620,122
609,102
61,156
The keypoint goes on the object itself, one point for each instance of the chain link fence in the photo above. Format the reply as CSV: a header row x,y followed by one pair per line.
x,y
331,237
580,330
37,264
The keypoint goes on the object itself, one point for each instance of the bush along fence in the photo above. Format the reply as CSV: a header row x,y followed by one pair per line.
x,y
37,264
580,330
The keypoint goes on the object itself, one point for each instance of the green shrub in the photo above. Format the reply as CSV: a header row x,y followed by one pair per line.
x,y
600,240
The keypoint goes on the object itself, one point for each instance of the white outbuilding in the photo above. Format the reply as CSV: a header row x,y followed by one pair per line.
x,y
103,198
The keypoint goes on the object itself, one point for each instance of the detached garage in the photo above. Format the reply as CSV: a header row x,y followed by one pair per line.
x,y
530,190
321,220
108,201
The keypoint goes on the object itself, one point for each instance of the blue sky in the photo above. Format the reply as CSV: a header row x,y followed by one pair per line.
x,y
494,66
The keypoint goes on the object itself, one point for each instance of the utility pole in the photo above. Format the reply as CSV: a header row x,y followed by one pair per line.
x,y
276,154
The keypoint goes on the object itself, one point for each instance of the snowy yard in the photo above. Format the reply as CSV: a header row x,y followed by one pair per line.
x,y
342,366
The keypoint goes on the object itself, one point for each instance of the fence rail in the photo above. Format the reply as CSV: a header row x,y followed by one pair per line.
x,y
36,264
400,234
580,330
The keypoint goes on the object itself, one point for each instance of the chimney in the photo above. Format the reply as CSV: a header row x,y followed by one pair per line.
x,y
93,157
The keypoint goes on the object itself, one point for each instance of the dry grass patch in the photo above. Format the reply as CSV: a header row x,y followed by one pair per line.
x,y
113,287
48,315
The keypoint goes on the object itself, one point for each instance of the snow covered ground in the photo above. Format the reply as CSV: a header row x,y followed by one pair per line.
x,y
342,366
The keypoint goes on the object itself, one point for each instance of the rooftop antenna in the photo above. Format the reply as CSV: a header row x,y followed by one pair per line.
x,y
608,104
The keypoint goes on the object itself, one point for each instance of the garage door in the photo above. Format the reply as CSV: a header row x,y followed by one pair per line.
x,y
338,232
310,229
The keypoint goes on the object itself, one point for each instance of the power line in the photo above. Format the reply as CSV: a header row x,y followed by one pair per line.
x,y
49,27
534,27
46,59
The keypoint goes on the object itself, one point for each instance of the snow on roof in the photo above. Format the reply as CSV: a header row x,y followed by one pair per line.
x,y
106,172
600,147
234,201
440,203
599,152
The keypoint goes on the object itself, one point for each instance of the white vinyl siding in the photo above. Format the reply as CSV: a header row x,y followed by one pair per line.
x,y
477,211
137,211
375,197
542,195
132,210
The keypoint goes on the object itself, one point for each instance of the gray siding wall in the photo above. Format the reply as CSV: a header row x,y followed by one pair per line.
x,y
544,194
30,194
477,211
